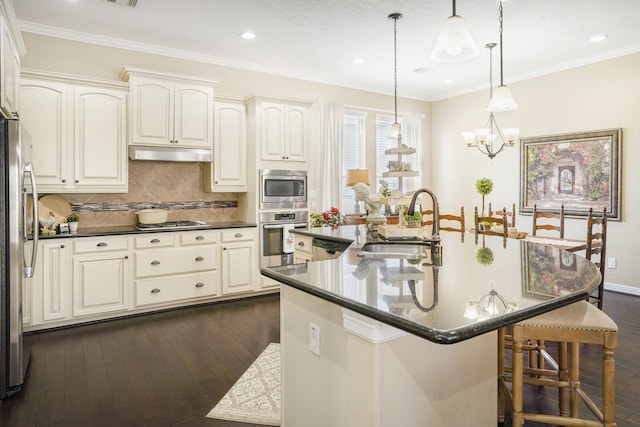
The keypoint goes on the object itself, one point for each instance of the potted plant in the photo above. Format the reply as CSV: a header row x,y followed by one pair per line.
x,y
413,221
73,219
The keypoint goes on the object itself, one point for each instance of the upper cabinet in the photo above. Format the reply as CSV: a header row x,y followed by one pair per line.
x,y
283,131
228,172
78,129
170,110
9,72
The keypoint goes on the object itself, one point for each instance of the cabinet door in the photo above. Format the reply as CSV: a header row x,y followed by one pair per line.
x,y
43,111
100,283
230,149
272,135
151,111
296,133
236,277
55,281
9,86
100,138
193,116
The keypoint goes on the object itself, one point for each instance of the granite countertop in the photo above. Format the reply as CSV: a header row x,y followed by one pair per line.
x,y
441,302
131,229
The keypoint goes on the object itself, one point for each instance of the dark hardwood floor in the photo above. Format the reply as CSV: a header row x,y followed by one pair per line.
x,y
171,368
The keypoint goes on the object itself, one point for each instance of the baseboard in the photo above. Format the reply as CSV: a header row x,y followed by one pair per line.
x,y
623,289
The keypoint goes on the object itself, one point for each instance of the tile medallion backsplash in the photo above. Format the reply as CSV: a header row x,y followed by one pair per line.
x,y
176,186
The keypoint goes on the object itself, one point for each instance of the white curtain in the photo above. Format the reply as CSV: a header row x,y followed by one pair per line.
x,y
412,136
330,170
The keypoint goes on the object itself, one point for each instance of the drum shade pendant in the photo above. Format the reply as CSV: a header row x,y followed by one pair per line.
x,y
455,42
490,139
501,100
396,130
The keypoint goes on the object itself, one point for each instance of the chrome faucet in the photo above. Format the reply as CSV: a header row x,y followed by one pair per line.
x,y
436,211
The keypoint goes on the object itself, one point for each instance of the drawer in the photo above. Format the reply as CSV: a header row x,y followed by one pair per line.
x,y
159,240
175,261
176,288
238,235
303,243
100,244
199,237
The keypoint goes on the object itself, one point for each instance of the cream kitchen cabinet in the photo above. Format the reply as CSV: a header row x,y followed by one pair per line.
x,y
228,172
9,73
78,133
283,131
239,260
303,249
174,267
170,110
100,275
51,283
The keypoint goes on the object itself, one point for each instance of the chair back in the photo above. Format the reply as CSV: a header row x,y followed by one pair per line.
x,y
489,221
451,219
427,217
597,250
552,221
511,215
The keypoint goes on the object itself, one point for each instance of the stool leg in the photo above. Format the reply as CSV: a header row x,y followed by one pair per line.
x,y
517,382
608,385
563,375
574,379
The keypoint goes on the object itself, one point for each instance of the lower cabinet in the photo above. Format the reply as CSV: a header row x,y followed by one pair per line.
x,y
100,276
82,279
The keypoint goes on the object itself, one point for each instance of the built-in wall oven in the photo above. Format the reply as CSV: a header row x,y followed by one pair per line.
x,y
276,240
283,189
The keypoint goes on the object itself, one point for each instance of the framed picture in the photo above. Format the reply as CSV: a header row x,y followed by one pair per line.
x,y
394,166
580,170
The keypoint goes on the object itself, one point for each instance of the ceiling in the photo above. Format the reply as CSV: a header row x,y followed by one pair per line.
x,y
318,39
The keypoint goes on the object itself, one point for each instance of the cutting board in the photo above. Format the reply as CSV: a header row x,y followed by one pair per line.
x,y
56,204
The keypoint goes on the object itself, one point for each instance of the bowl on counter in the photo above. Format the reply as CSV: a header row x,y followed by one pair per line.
x,y
152,216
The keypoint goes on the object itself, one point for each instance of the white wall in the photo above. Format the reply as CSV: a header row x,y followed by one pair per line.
x,y
599,96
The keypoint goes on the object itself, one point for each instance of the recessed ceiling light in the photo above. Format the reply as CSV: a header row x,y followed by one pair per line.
x,y
358,60
448,81
598,38
248,35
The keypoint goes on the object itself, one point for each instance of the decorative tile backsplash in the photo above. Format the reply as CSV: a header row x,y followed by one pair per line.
x,y
176,186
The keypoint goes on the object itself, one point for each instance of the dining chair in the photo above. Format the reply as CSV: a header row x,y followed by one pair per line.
x,y
450,219
484,224
597,247
511,215
575,324
427,217
552,221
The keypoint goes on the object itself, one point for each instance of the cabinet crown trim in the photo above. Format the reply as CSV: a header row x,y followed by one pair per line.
x,y
127,72
28,73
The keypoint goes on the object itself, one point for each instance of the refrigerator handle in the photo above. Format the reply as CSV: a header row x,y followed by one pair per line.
x,y
28,269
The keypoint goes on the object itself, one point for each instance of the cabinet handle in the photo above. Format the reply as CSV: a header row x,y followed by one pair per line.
x,y
199,258
61,246
237,235
300,243
224,248
155,262
199,285
64,180
155,290
155,240
101,244
199,237
215,182
15,114
126,257
76,181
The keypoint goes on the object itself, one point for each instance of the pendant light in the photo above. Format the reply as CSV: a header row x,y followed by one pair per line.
x,y
501,100
455,42
490,139
396,130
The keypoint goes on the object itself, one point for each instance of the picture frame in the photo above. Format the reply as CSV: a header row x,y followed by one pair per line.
x,y
580,170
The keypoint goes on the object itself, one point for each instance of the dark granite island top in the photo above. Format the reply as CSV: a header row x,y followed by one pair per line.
x,y
441,303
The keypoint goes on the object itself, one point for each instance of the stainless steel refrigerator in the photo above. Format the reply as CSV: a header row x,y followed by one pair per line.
x,y
18,226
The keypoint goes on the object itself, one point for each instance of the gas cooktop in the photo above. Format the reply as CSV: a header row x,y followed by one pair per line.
x,y
174,225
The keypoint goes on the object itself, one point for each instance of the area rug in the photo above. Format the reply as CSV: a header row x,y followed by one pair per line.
x,y
255,397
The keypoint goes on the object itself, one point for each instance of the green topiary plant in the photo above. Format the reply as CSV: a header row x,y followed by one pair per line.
x,y
484,186
73,217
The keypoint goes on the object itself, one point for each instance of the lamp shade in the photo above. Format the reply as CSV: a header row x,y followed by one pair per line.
x,y
395,131
355,176
502,100
455,42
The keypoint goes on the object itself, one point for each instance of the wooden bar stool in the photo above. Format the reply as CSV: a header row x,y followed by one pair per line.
x,y
575,324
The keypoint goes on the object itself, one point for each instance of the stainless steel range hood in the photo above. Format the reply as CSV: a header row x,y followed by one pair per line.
x,y
170,154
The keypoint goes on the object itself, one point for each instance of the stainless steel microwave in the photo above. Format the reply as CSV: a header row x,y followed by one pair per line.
x,y
283,189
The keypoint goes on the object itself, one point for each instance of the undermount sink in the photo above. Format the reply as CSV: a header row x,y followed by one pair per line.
x,y
417,250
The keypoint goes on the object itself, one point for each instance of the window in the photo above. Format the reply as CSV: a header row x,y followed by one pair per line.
x,y
353,154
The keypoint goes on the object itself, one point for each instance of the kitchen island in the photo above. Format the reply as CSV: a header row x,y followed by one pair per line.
x,y
411,343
